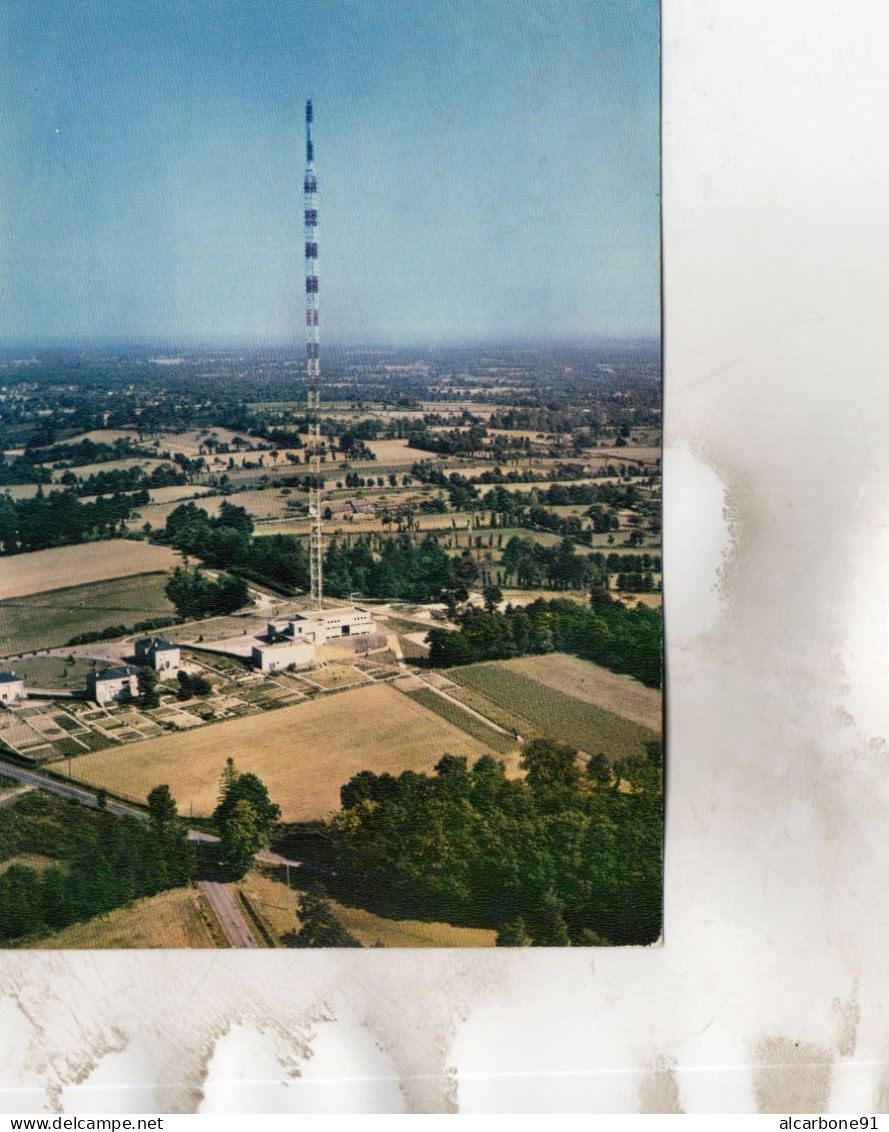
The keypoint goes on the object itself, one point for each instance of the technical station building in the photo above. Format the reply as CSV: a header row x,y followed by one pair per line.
x,y
276,654
322,625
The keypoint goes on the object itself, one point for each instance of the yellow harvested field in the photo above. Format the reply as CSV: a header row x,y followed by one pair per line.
x,y
178,492
105,436
585,681
302,753
178,918
276,905
394,452
84,470
190,442
22,574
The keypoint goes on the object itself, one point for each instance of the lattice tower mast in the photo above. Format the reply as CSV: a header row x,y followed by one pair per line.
x,y
313,369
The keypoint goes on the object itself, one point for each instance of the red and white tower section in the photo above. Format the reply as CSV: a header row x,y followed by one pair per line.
x,y
313,368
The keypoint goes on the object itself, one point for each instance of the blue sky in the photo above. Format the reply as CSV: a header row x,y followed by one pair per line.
x,y
488,169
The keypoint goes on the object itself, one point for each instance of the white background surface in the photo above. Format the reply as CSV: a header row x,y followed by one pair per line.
x,y
769,992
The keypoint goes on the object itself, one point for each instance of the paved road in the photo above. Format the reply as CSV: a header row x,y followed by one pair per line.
x,y
64,790
229,915
88,798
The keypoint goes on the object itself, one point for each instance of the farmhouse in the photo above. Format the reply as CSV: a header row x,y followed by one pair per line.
x,y
160,654
276,655
320,625
351,510
12,688
112,684
363,508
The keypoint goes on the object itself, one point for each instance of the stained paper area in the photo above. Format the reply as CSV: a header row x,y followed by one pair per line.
x,y
768,993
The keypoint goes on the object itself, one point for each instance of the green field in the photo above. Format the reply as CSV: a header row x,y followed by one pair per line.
x,y
50,619
503,744
583,725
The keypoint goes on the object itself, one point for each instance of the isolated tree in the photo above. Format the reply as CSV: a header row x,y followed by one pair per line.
x,y
149,697
244,816
319,926
240,839
170,835
493,595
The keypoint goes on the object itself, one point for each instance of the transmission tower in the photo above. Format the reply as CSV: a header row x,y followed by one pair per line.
x,y
313,369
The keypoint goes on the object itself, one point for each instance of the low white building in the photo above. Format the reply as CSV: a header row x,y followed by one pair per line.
x,y
12,688
113,684
321,625
276,655
160,654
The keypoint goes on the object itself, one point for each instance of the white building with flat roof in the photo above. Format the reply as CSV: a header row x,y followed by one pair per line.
x,y
12,688
276,655
322,625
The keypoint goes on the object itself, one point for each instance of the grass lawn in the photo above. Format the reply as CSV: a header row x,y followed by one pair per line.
x,y
586,681
561,716
453,713
48,620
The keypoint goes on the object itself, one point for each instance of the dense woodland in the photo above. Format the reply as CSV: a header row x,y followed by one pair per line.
x,y
559,857
102,860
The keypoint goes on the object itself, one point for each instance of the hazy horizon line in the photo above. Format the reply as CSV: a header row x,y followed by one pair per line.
x,y
191,347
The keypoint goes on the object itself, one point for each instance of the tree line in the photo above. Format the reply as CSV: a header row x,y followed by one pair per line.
x,y
606,632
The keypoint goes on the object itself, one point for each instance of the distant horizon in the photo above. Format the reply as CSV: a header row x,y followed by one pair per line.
x,y
168,348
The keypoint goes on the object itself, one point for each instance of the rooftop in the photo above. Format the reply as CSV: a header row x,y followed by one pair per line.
x,y
117,673
10,678
319,614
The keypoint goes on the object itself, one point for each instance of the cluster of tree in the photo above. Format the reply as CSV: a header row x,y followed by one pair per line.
x,y
59,519
636,583
352,479
555,859
403,569
192,684
245,818
104,860
227,542
556,567
353,447
124,479
23,470
606,632
88,452
196,596
454,442
615,495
